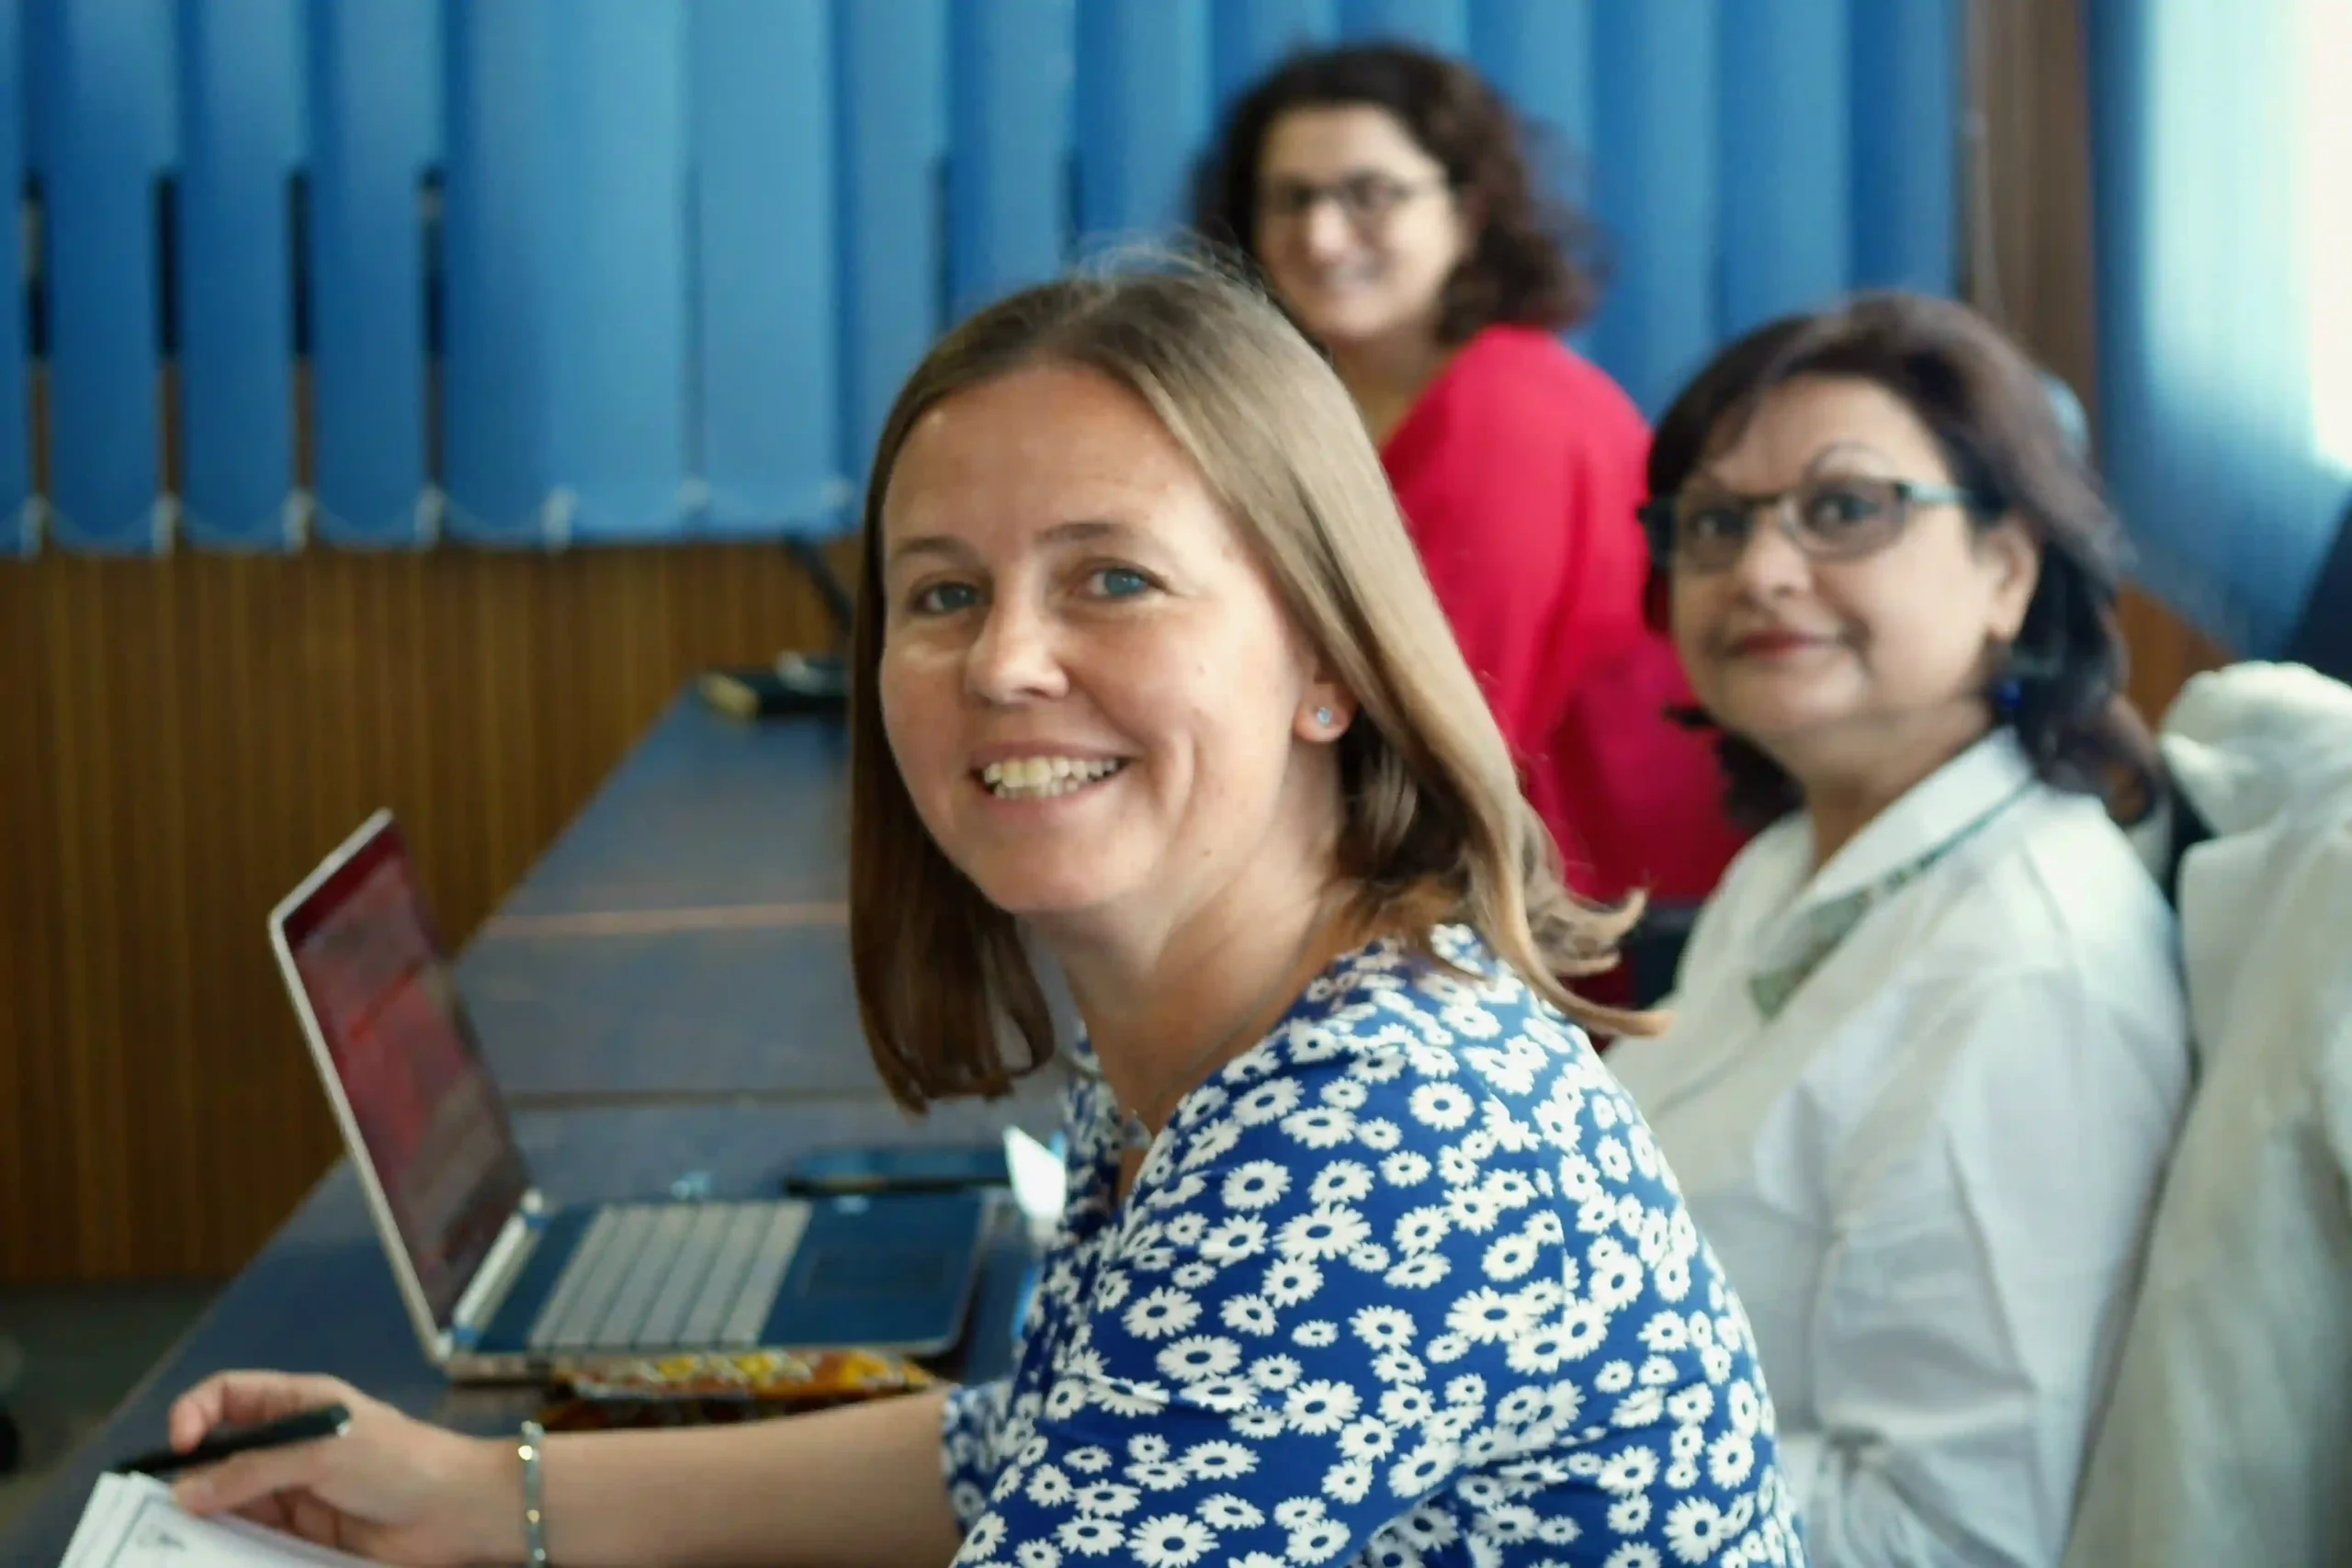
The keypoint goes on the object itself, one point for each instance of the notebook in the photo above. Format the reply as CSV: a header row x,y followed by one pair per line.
x,y
502,1285
130,1522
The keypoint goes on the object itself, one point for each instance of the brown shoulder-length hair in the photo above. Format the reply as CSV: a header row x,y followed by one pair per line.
x,y
1993,417
1433,826
1536,260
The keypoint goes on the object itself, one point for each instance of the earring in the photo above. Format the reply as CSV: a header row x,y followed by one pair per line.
x,y
1323,717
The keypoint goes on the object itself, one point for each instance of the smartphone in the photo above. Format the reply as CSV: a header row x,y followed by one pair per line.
x,y
930,1168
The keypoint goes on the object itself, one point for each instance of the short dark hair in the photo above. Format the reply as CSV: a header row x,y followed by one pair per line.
x,y
1992,416
1535,260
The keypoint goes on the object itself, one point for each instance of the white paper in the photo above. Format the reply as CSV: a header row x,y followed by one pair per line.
x,y
130,1522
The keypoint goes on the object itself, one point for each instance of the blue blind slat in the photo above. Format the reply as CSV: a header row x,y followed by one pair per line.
x,y
1247,38
890,63
704,240
616,279
1654,191
106,111
1142,104
18,530
1010,65
763,237
1439,25
1905,211
375,96
497,246
1786,190
1538,54
242,140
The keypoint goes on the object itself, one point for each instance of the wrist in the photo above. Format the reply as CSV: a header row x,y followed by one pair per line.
x,y
487,1485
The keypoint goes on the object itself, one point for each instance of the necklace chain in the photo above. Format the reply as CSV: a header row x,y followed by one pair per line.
x,y
1137,1132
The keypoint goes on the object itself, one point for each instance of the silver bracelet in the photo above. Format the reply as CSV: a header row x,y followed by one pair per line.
x,y
534,1535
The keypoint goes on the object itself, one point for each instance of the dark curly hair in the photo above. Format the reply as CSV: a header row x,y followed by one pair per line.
x,y
1993,417
1535,260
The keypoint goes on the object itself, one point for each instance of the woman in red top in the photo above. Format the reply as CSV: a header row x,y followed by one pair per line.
x,y
1384,196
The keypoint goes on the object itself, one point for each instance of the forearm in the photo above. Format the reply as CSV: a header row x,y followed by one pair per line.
x,y
857,1485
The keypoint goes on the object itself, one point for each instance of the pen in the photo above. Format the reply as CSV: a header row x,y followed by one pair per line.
x,y
305,1427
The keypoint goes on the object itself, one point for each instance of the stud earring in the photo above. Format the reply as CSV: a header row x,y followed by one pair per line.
x,y
1323,717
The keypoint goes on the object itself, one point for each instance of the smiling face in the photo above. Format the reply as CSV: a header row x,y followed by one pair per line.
x,y
1357,228
1828,664
1099,707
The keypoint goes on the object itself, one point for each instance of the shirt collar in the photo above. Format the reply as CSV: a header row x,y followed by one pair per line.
x,y
1939,806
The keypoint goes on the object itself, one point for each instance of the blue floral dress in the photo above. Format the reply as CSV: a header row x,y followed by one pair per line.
x,y
1404,1283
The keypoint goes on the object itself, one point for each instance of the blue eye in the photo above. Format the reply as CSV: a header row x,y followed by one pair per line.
x,y
944,599
1121,583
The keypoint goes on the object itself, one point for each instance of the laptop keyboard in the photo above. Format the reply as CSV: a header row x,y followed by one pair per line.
x,y
672,1275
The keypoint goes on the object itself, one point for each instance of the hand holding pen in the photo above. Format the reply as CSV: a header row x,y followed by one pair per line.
x,y
315,1458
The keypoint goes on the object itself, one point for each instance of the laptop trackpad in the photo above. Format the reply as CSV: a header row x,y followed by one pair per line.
x,y
888,1273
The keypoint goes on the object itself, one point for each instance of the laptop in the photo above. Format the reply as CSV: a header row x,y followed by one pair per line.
x,y
501,1284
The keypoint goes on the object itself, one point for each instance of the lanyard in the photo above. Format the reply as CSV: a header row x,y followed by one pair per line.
x,y
1825,927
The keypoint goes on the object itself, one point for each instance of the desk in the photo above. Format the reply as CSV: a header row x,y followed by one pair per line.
x,y
634,1056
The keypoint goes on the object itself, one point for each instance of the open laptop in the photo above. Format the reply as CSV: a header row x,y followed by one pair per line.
x,y
502,1285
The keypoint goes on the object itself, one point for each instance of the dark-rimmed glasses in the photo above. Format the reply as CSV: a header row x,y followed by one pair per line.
x,y
1365,200
1832,517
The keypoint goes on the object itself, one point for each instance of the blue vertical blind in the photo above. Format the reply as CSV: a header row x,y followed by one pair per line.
x,y
531,273
2221,167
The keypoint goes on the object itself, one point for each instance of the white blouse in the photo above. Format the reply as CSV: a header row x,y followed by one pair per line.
x,y
1929,1174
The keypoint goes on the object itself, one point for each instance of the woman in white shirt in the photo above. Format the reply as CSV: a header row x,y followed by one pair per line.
x,y
1929,1045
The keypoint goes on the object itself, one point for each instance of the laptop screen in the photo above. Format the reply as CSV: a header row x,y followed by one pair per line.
x,y
435,1131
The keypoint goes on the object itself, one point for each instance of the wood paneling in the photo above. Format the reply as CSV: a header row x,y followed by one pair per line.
x,y
183,738
2031,253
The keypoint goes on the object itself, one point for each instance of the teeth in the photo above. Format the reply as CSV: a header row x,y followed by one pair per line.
x,y
1038,778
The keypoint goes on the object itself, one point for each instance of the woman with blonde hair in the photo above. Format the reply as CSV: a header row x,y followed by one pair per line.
x,y
1367,1260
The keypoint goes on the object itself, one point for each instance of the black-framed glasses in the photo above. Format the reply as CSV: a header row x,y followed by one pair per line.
x,y
1831,517
1366,200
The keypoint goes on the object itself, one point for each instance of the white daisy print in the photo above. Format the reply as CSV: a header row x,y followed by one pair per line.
x,y
1160,1314
1320,1407
1091,1537
1406,1168
1441,1105
1345,1094
1247,1315
1244,1235
1510,1257
1257,1185
1290,1280
1322,1234
1422,1230
1275,1372
1407,1282
1267,1102
1694,1529
1341,1182
1384,1327
1368,1438
1202,1356
1219,1460
1170,1540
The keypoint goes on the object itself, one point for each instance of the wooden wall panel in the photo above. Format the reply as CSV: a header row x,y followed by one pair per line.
x,y
183,738
2030,256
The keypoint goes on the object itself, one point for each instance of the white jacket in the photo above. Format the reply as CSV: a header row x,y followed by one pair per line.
x,y
1929,1176
2228,1439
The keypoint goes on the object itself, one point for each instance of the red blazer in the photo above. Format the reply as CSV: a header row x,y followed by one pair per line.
x,y
1518,471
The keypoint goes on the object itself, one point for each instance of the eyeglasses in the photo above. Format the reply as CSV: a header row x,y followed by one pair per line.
x,y
1834,517
1365,200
